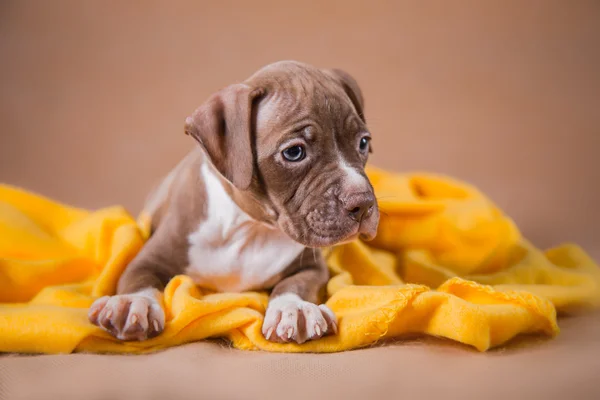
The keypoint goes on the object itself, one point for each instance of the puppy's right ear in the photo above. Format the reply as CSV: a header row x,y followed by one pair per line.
x,y
223,127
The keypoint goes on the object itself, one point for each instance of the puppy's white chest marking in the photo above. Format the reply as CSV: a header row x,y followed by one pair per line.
x,y
230,251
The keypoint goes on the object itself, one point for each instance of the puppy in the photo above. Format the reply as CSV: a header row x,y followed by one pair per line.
x,y
278,174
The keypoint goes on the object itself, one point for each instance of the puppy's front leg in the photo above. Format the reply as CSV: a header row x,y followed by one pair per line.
x,y
136,311
294,313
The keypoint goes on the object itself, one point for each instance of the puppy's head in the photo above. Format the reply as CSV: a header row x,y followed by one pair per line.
x,y
295,138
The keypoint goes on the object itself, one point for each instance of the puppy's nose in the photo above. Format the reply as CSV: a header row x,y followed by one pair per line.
x,y
359,205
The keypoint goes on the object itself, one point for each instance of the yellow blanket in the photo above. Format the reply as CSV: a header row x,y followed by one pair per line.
x,y
446,262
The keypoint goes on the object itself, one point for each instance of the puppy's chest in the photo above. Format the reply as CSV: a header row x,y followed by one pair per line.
x,y
230,252
244,261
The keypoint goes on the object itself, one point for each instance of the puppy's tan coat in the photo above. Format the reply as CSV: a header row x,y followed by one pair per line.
x,y
279,173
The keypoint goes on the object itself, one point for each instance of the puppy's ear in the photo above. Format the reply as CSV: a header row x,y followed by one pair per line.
x,y
352,89
223,127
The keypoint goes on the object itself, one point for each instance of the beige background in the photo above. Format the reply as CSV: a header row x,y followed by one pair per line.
x,y
504,94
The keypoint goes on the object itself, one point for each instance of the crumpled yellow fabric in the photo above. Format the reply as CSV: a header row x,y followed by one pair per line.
x,y
446,262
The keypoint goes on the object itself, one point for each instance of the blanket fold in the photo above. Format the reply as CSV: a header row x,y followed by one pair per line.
x,y
446,262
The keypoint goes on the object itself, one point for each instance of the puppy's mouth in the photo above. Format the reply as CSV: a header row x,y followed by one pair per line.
x,y
319,241
366,230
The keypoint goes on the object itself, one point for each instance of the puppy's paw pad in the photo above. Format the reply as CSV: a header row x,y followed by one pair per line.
x,y
128,317
291,319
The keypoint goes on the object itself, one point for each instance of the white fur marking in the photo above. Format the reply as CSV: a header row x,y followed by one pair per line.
x,y
352,177
232,252
286,299
289,318
139,309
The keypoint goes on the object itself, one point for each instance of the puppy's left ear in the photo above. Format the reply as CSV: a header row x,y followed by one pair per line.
x,y
352,89
223,127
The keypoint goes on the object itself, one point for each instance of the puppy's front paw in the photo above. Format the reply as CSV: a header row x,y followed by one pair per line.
x,y
291,319
136,316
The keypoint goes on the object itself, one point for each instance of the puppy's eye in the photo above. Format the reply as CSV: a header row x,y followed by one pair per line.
x,y
364,144
294,153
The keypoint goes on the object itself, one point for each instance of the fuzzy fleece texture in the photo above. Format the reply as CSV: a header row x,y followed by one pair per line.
x,y
446,262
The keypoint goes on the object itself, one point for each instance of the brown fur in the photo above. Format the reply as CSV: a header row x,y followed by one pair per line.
x,y
241,130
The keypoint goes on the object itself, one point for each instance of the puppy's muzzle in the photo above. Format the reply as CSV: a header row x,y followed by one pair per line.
x,y
361,208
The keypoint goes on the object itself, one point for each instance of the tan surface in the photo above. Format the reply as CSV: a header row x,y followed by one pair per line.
x,y
504,94
564,368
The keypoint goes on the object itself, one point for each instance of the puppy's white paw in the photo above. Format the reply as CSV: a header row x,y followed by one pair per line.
x,y
291,319
136,316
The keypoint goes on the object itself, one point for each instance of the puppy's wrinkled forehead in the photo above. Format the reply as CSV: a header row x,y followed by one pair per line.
x,y
297,94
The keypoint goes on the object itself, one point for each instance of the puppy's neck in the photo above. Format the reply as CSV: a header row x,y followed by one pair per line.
x,y
259,209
